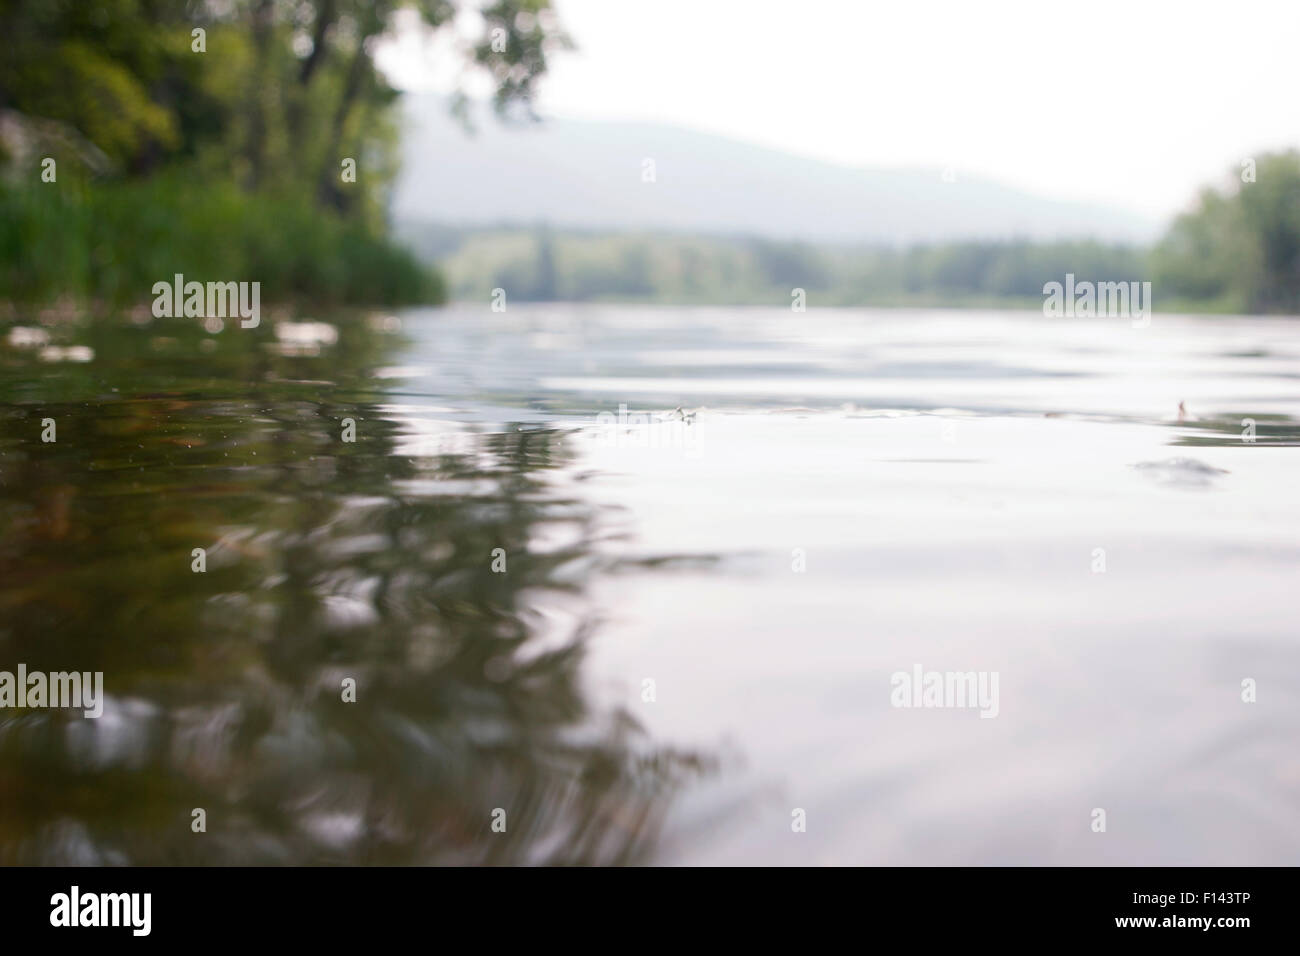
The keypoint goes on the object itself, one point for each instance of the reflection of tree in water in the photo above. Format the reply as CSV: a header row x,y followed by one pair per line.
x,y
326,561
1228,429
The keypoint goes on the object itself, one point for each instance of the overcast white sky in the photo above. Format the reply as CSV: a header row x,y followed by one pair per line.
x,y
1131,102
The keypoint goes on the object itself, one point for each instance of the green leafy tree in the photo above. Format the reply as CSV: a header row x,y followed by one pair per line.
x,y
281,93
1240,245
279,100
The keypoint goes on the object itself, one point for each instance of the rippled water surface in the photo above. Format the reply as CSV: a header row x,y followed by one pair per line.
x,y
640,578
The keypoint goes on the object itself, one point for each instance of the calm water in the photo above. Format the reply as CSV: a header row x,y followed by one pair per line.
x,y
703,599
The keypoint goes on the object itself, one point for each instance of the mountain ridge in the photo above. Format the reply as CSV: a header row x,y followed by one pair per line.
x,y
587,174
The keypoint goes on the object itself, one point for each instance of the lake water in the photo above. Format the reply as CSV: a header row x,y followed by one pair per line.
x,y
634,584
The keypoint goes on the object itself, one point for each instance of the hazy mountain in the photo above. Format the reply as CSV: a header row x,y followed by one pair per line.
x,y
582,174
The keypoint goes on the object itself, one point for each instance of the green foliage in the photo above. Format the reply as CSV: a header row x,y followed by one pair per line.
x,y
1239,246
112,242
236,140
93,66
576,266
528,31
1237,250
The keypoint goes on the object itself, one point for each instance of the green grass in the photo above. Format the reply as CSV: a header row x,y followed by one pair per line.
x,y
107,244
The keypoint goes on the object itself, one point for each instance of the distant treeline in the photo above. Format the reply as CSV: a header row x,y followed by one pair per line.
x,y
1238,250
541,266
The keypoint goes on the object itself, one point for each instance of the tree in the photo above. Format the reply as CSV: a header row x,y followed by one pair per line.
x,y
280,94
1240,244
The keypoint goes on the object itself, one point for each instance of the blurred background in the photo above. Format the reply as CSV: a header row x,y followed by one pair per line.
x,y
721,153
484,232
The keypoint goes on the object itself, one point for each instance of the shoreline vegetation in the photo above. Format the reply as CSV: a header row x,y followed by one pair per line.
x,y
99,247
104,247
234,142
1236,251
257,142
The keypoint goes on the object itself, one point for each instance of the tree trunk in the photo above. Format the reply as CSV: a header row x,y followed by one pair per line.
x,y
330,192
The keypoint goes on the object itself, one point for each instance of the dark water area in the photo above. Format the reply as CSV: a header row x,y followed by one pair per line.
x,y
498,571
325,560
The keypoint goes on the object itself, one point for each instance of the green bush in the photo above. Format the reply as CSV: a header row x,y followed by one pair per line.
x,y
110,242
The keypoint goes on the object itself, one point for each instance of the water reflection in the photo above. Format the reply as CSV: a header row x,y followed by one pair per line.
x,y
326,561
954,482
1249,427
